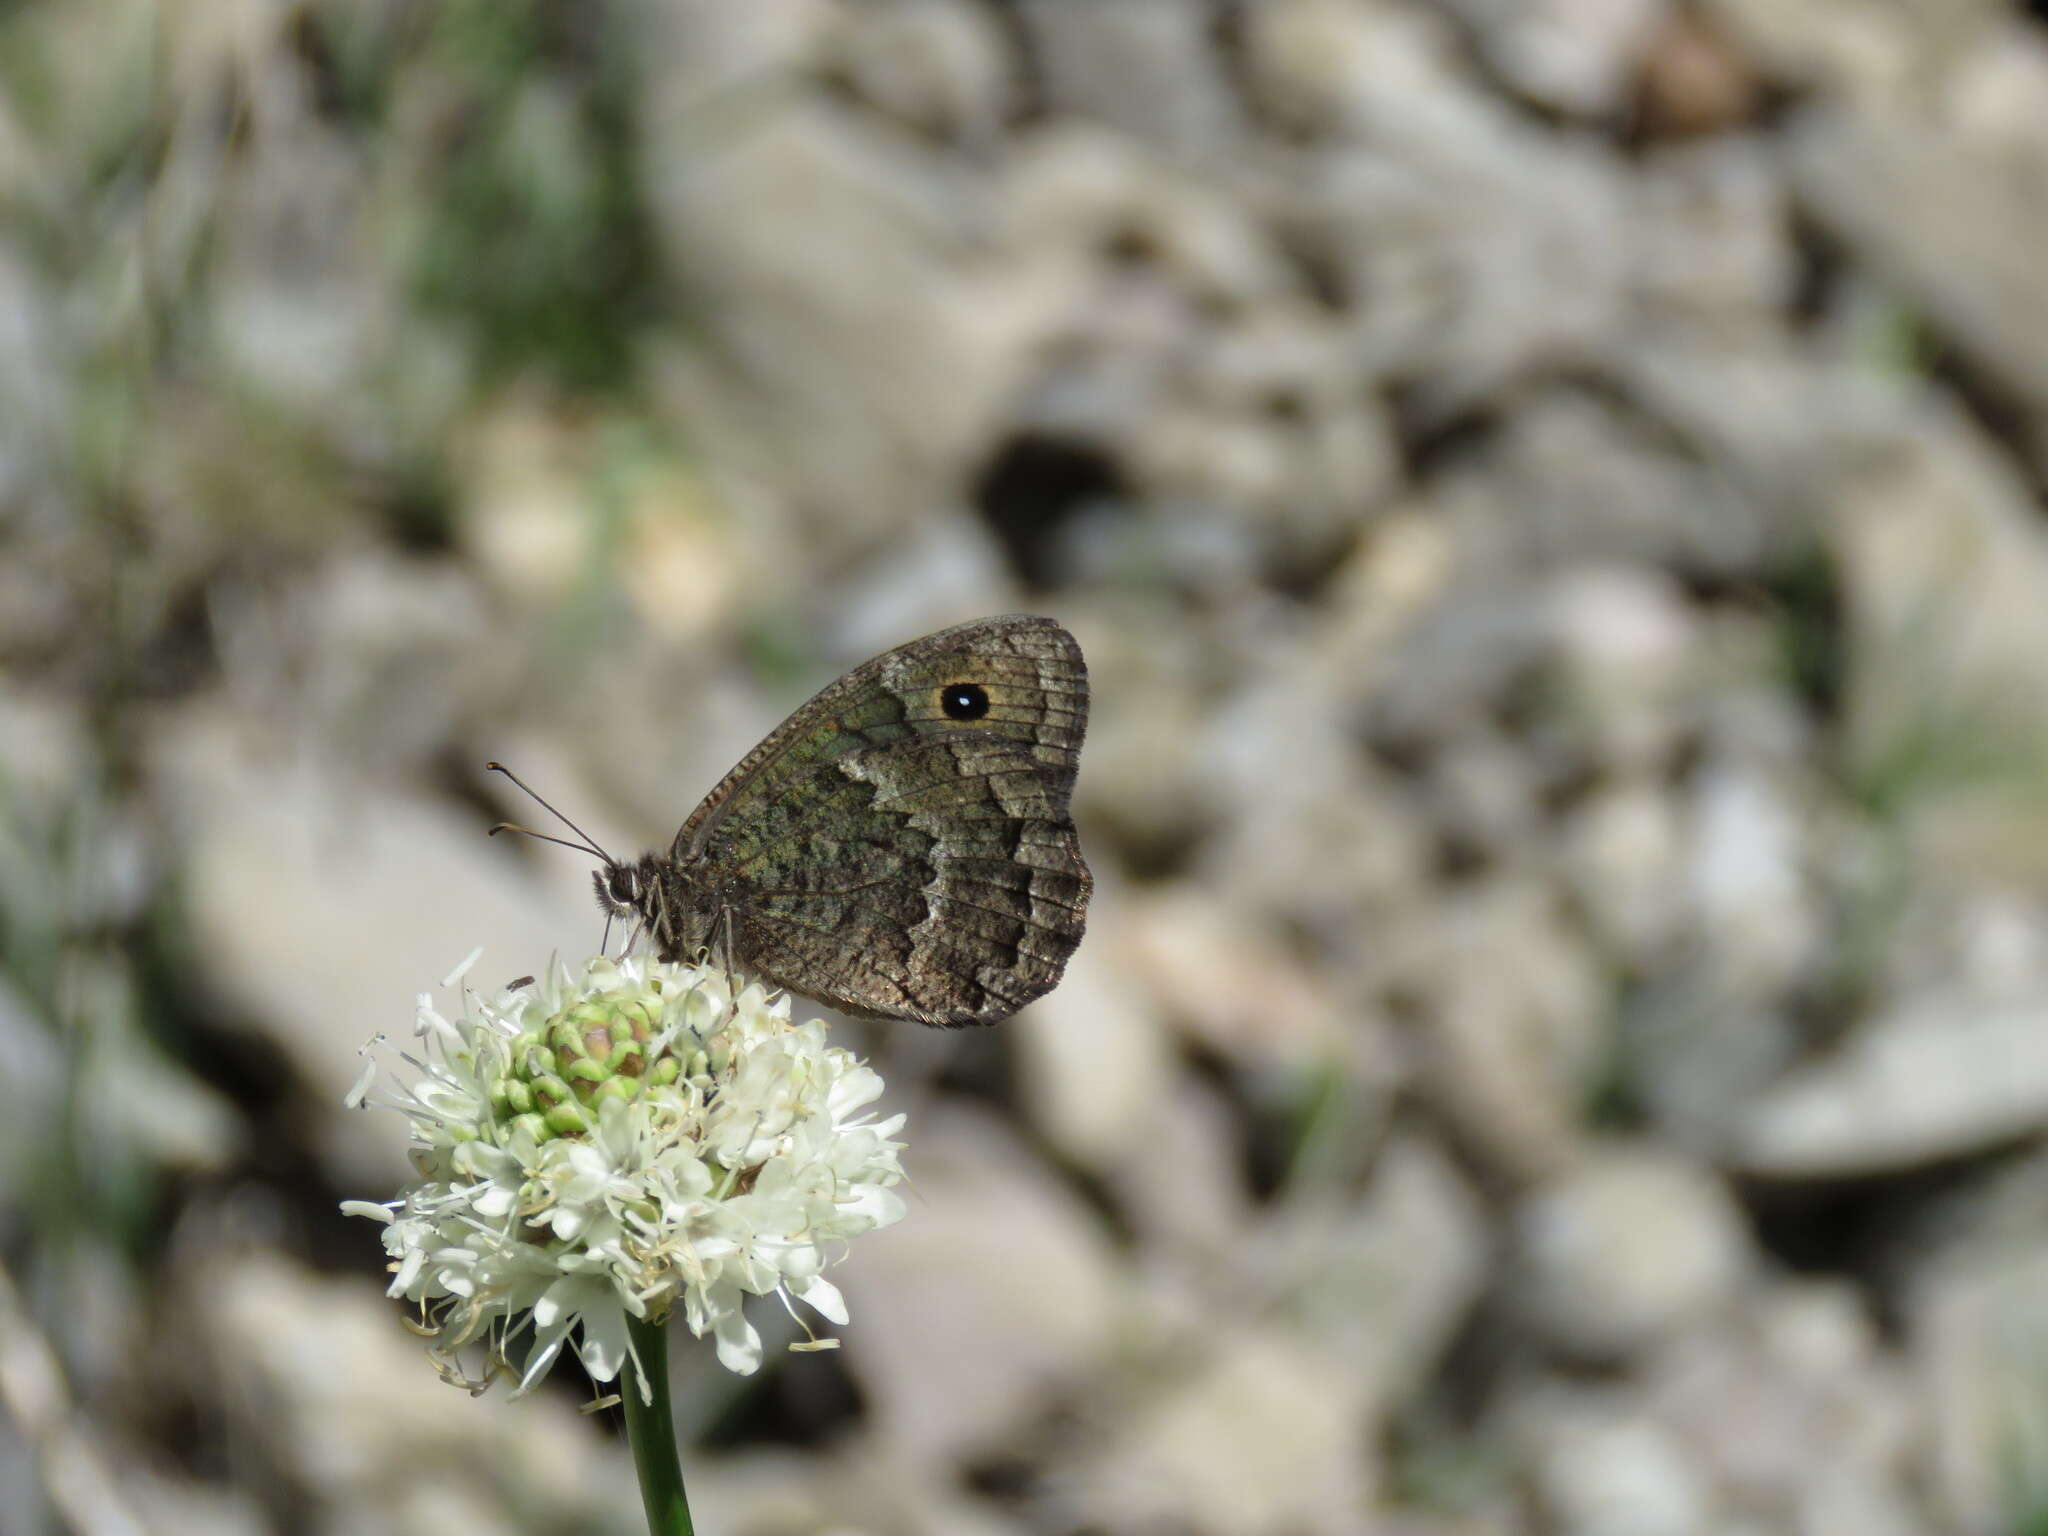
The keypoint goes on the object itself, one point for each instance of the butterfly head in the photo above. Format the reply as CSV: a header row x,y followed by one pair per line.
x,y
623,890
656,894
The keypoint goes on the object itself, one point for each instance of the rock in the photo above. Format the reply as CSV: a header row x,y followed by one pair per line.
x,y
1571,55
1225,977
1747,892
1694,80
1106,228
180,1507
1267,431
1415,1242
1093,1056
1322,66
1625,1250
1510,1065
1699,1051
760,224
1572,484
708,49
1938,1076
1599,1470
1836,1503
1145,66
1944,571
860,1488
997,1291
1876,56
371,661
1966,261
1626,648
1620,852
941,67
1486,256
331,1392
943,573
1273,851
1714,247
1178,1177
1259,1437
302,312
33,406
680,550
1997,85
1796,1411
321,907
1979,1325
1140,789
1782,1416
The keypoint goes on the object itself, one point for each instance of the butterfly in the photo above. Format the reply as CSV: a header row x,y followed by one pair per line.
x,y
901,846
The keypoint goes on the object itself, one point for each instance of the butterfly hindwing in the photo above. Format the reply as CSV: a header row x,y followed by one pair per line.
x,y
902,845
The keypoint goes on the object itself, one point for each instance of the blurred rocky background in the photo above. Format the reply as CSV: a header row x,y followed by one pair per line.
x,y
1552,495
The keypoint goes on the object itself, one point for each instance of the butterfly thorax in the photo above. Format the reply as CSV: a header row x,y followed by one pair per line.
x,y
665,897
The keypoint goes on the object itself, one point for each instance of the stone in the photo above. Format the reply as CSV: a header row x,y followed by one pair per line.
x,y
1624,650
1487,257
1598,1470
1323,66
1944,571
1620,851
1228,980
1937,1076
1384,1282
973,1313
1511,1066
1145,66
1178,1177
784,381
1869,55
321,907
364,660
1259,1436
1748,892
1715,247
1979,1325
944,68
1571,483
330,1390
1625,1250
1093,1057
1966,261
1574,56
854,1488
1694,80
1795,1409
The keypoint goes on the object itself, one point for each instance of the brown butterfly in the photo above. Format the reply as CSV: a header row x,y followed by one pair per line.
x,y
900,846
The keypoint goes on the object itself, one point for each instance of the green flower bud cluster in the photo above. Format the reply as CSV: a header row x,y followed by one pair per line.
x,y
559,1074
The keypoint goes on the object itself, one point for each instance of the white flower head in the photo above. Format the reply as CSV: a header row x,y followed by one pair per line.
x,y
630,1139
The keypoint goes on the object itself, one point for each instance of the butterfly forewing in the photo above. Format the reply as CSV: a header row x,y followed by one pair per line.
x,y
902,845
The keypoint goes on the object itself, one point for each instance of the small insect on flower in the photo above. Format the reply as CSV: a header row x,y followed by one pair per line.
x,y
627,1139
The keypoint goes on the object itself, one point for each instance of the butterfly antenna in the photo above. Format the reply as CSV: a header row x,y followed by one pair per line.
x,y
589,843
546,837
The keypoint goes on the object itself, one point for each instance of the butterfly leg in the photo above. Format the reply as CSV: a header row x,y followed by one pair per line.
x,y
717,950
725,933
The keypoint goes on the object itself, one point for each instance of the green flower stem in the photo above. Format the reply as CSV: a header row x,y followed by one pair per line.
x,y
652,1429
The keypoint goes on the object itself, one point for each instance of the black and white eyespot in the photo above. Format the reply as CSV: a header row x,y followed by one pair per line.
x,y
963,701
